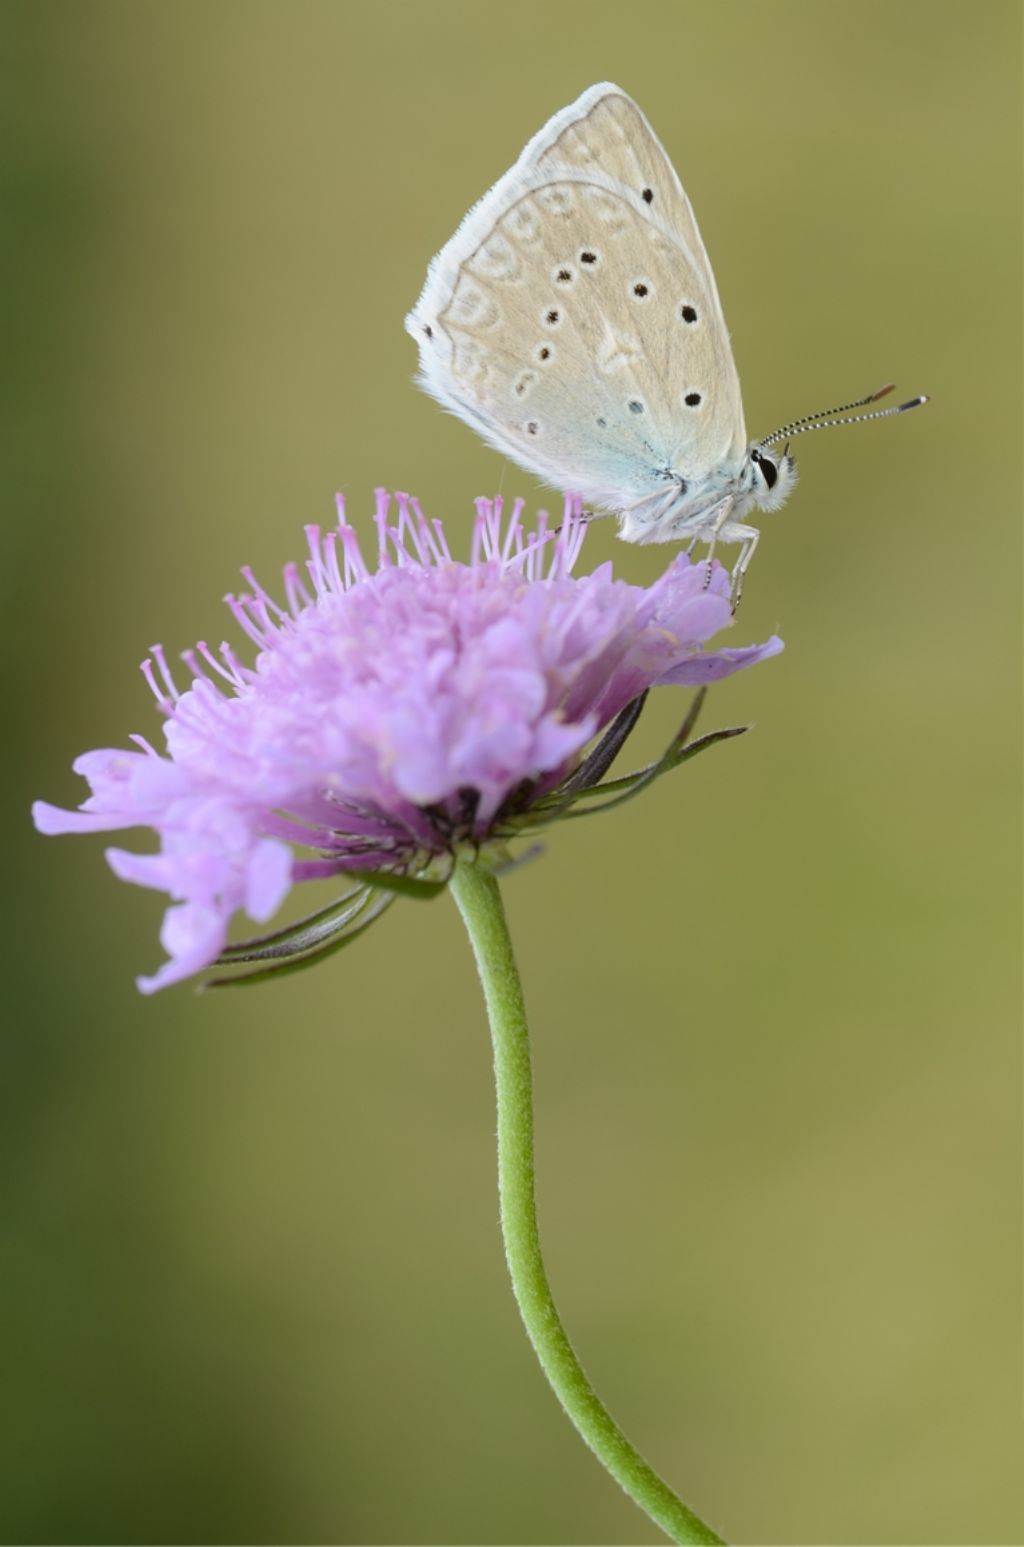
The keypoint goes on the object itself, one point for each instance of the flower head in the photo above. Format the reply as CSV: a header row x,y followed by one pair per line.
x,y
393,714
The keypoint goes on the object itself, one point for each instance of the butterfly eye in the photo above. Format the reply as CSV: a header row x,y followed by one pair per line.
x,y
769,471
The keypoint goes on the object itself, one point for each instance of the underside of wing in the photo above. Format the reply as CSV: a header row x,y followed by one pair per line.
x,y
577,336
605,131
573,318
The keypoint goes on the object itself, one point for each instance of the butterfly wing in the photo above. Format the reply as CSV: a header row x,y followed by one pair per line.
x,y
605,131
573,318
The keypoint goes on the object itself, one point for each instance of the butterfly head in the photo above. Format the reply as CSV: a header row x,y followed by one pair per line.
x,y
768,476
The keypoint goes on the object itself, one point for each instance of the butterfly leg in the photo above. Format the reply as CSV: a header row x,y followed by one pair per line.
x,y
719,520
749,536
583,516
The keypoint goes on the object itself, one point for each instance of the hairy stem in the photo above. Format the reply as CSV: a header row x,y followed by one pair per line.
x,y
479,901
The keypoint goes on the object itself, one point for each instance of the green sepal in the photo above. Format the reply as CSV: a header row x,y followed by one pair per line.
x,y
296,963
401,886
586,777
597,762
301,936
508,862
674,758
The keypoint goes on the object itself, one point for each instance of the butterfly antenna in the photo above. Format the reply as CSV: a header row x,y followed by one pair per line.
x,y
826,417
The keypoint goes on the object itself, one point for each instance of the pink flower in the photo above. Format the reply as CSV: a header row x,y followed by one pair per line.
x,y
392,714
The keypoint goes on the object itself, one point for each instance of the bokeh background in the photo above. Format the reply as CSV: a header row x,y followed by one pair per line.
x,y
252,1281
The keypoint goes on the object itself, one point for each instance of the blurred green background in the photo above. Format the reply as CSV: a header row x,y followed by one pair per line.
x,y
252,1281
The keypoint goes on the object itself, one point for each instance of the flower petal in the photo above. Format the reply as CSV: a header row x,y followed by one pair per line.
x,y
696,670
389,717
268,879
193,937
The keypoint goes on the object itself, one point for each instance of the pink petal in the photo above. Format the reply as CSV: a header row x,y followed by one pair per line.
x,y
697,670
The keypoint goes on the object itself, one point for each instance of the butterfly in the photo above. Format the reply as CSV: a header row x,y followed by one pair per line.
x,y
574,321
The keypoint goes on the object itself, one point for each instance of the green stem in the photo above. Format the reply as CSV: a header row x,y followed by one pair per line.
x,y
479,901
